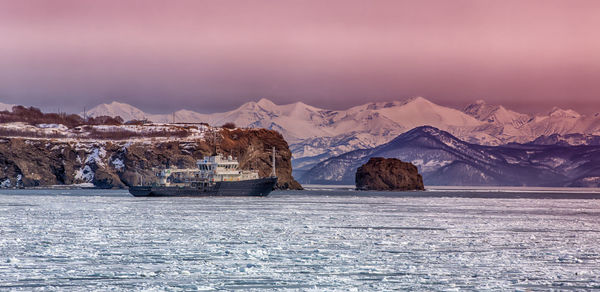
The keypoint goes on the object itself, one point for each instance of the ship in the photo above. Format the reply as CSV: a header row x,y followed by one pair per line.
x,y
215,175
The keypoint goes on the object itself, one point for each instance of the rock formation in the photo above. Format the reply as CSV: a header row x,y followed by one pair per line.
x,y
389,174
118,164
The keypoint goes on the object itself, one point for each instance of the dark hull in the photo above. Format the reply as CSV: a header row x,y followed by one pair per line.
x,y
256,187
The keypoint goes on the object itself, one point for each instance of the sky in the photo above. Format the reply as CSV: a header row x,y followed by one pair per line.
x,y
212,56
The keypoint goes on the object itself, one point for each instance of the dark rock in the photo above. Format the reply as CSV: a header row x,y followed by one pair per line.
x,y
388,174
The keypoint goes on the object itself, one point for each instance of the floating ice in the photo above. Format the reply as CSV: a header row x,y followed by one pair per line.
x,y
309,240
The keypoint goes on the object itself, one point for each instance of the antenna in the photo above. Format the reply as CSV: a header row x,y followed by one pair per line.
x,y
274,173
215,140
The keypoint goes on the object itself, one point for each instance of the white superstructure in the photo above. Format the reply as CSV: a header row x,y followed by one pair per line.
x,y
219,168
210,169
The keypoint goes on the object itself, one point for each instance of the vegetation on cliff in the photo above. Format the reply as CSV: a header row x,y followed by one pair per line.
x,y
33,115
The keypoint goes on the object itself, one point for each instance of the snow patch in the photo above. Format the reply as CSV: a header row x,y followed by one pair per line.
x,y
53,126
118,164
5,184
96,156
85,174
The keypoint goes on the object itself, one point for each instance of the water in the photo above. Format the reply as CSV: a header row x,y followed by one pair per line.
x,y
318,240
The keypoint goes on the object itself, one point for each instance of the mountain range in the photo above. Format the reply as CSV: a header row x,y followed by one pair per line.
x,y
316,134
443,159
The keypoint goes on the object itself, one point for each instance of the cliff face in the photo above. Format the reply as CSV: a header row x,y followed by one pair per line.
x,y
253,147
119,164
389,174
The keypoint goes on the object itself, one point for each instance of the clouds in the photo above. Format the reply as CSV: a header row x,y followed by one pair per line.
x,y
215,55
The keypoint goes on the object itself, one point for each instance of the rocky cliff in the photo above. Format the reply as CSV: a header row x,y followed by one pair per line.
x,y
389,174
120,163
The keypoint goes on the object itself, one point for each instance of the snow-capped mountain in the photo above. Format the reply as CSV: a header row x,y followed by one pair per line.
x,y
295,121
510,126
113,109
496,114
315,134
299,121
6,106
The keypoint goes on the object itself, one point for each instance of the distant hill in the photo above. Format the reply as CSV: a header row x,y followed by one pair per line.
x,y
568,139
443,159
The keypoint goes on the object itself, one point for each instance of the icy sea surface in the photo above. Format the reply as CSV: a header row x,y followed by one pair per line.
x,y
312,240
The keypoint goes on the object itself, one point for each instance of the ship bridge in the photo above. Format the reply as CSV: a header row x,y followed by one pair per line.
x,y
220,168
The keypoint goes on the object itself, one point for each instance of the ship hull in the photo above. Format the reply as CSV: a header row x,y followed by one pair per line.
x,y
256,187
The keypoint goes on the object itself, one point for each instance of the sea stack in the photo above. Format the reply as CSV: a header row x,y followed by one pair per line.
x,y
388,174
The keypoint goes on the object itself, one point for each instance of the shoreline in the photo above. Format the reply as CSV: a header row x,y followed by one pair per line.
x,y
502,189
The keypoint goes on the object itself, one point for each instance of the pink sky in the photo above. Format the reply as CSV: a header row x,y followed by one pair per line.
x,y
214,55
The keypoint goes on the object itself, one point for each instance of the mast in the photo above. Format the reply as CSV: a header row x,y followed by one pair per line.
x,y
274,173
